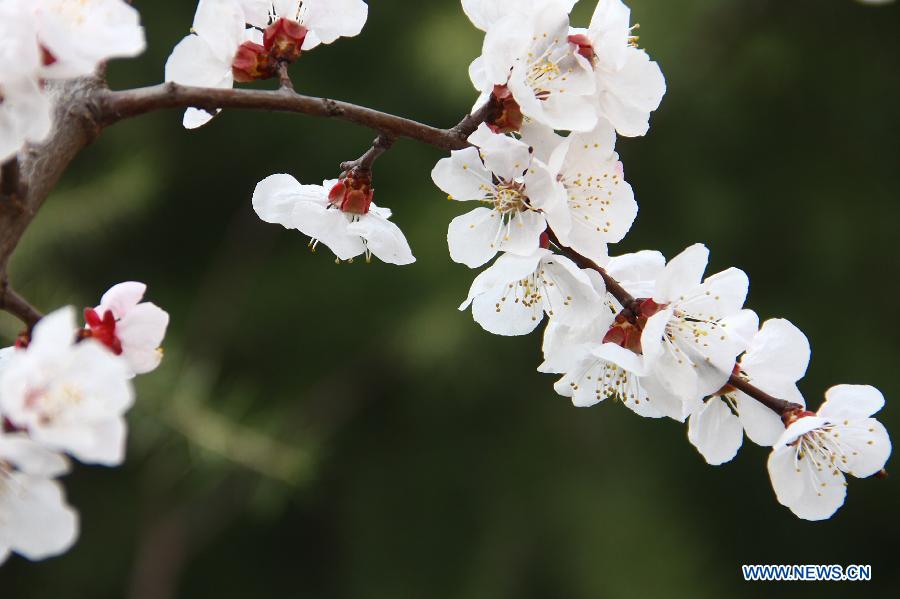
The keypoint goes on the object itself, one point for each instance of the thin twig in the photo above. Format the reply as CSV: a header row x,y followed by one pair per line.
x,y
18,306
284,77
364,163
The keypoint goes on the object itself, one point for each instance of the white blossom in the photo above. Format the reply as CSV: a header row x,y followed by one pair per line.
x,y
808,462
629,86
35,520
530,53
776,360
205,57
69,397
79,35
521,194
324,20
349,232
511,297
129,327
600,201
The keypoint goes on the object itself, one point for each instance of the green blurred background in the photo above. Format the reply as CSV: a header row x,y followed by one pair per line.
x,y
343,431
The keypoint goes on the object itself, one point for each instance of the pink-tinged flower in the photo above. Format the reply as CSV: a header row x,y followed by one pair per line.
x,y
68,396
808,462
129,327
339,214
35,520
776,360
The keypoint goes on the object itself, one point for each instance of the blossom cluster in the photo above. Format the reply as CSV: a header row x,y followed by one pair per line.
x,y
64,392
547,186
667,342
50,40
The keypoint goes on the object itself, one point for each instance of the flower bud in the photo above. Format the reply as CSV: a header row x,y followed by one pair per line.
x,y
353,194
252,63
509,115
284,39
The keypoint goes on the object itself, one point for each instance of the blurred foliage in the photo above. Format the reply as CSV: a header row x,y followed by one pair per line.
x,y
343,431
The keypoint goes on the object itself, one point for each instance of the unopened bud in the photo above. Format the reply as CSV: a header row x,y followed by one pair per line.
x,y
353,194
284,39
251,63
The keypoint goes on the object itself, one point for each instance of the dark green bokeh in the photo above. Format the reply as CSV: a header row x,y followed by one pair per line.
x,y
342,431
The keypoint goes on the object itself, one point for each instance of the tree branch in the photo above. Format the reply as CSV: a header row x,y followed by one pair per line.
x,y
118,105
15,304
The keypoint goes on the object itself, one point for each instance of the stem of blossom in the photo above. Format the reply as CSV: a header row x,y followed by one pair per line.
x,y
364,163
15,304
284,77
779,406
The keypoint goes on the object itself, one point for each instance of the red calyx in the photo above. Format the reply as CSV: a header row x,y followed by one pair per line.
x,y
509,114
251,63
545,241
353,193
283,39
630,323
102,329
47,57
792,416
585,47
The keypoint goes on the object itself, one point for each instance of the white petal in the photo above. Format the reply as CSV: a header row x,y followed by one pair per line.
x,y
275,197
463,176
383,238
121,298
777,358
36,523
195,62
763,426
220,23
715,431
31,458
331,19
810,493
682,274
869,445
506,157
851,402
